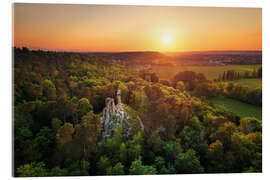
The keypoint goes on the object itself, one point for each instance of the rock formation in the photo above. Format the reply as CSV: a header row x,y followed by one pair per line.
x,y
114,115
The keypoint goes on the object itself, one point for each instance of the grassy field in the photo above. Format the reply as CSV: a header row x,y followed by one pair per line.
x,y
237,107
211,72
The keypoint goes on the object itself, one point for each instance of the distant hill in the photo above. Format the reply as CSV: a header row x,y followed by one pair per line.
x,y
137,58
185,58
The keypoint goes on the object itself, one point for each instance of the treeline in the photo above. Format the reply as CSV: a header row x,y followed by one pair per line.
x,y
242,93
184,80
198,85
58,100
231,75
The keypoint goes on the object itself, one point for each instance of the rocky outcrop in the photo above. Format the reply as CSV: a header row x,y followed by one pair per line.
x,y
114,115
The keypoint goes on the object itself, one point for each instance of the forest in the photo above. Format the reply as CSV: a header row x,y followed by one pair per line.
x,y
58,102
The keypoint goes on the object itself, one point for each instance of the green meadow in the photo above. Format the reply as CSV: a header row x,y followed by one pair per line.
x,y
238,107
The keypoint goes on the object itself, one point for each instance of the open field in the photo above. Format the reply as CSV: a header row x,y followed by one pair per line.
x,y
237,107
211,72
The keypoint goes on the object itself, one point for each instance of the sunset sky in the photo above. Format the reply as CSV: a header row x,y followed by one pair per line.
x,y
136,28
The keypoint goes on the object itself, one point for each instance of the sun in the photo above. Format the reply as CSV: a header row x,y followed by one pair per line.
x,y
166,39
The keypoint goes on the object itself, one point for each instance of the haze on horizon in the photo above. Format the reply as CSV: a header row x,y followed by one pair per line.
x,y
136,28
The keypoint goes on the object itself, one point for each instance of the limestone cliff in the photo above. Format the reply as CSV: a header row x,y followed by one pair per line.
x,y
113,115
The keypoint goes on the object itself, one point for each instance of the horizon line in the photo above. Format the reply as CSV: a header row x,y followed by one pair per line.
x,y
123,51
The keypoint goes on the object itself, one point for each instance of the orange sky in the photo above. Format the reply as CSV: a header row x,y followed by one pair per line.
x,y
136,28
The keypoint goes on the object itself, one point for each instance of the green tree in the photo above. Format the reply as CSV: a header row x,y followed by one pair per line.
x,y
171,149
87,133
84,106
137,168
49,89
159,163
26,149
171,126
57,171
118,169
65,108
193,136
216,157
243,151
188,162
77,167
45,141
103,165
56,124
32,170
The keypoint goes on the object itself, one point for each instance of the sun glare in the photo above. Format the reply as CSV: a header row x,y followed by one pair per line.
x,y
166,39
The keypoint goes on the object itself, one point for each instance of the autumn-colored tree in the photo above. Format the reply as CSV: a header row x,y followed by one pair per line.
x,y
180,85
249,124
215,156
224,134
64,137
